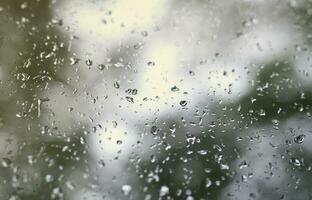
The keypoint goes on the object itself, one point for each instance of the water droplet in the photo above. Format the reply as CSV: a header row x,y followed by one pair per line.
x,y
73,60
202,152
144,33
275,122
115,124
208,183
126,189
101,163
155,130
101,67
57,22
299,139
151,63
70,185
6,162
212,124
49,178
134,92
57,193
116,85
164,190
130,99
89,62
295,162
207,170
174,89
224,167
243,164
183,103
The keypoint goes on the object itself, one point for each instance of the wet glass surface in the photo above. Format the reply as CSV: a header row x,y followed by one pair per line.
x,y
155,99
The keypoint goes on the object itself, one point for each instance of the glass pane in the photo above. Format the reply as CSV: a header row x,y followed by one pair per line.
x,y
155,99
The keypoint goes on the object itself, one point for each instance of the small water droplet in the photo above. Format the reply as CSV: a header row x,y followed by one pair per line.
x,y
115,124
89,62
208,183
101,67
6,162
299,139
116,85
164,190
243,164
295,162
144,33
57,193
49,178
101,163
174,89
73,60
224,167
151,63
275,122
126,189
70,185
183,103
155,130
202,152
130,99
212,124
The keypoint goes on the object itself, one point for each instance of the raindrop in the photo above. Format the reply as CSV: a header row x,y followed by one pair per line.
x,y
202,152
70,185
208,183
212,124
275,122
299,139
295,162
243,164
174,89
130,99
57,22
144,33
224,167
6,162
89,62
115,124
49,178
101,163
73,60
101,67
164,190
151,63
126,189
57,193
134,91
116,85
207,170
183,103
155,130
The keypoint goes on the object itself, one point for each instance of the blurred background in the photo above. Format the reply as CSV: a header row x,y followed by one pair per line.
x,y
155,99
